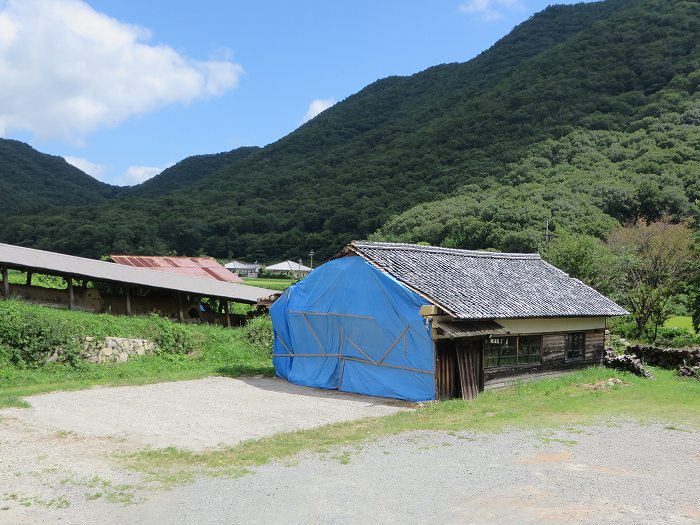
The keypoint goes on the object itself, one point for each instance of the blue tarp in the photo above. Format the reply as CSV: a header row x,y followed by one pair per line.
x,y
351,327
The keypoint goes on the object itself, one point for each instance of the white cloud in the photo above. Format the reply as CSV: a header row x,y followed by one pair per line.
x,y
316,107
67,70
95,170
490,10
138,174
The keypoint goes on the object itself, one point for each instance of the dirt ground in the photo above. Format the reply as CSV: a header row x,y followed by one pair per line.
x,y
197,414
58,465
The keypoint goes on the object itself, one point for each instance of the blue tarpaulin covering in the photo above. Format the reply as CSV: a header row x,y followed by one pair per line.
x,y
351,327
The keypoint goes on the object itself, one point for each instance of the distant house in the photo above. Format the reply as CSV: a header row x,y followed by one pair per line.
x,y
243,269
421,322
202,267
290,267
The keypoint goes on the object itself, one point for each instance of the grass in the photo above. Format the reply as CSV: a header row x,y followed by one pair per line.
x,y
680,321
551,403
271,284
219,351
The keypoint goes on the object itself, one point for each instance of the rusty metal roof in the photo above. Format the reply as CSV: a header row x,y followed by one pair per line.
x,y
202,267
53,263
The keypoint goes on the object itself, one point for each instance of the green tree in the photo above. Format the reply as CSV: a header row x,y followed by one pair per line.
x,y
655,260
585,258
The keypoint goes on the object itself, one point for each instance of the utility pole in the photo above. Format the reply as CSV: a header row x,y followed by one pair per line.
x,y
311,254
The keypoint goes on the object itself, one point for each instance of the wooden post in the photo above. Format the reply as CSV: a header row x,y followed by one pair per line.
x,y
71,295
180,314
228,317
127,295
29,278
5,283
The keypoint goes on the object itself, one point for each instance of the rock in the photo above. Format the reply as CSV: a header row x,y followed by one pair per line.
x,y
626,363
689,371
123,357
668,358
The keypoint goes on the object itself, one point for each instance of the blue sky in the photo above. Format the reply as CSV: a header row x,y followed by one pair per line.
x,y
124,89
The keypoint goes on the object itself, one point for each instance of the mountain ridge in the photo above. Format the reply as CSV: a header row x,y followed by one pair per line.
x,y
441,133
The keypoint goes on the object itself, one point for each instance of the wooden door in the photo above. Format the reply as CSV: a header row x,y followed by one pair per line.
x,y
459,370
471,368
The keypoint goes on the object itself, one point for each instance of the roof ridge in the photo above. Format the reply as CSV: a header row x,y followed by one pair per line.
x,y
440,249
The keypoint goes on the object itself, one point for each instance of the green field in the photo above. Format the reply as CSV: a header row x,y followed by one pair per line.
x,y
680,321
271,284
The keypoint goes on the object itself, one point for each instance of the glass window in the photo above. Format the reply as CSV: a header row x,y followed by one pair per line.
x,y
574,345
501,351
529,349
513,350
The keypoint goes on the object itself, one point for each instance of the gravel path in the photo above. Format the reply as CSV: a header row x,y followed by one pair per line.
x,y
618,473
197,414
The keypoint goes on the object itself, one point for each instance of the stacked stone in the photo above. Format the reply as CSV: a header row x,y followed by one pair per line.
x,y
689,371
669,358
115,349
626,363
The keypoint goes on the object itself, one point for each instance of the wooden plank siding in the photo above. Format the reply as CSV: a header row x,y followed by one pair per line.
x,y
553,363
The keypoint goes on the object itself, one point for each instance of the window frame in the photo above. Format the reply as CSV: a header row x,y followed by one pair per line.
x,y
567,336
518,362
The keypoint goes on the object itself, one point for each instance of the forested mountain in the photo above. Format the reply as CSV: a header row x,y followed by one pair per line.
x,y
32,181
187,172
586,115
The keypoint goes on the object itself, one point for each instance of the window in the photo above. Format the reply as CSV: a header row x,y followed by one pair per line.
x,y
529,348
574,344
501,351
513,351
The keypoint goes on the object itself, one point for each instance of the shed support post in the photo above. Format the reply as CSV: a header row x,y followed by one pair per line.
x,y
127,295
228,317
180,314
71,295
29,278
5,283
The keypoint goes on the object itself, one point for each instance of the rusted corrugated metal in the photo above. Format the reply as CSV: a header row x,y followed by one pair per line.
x,y
202,267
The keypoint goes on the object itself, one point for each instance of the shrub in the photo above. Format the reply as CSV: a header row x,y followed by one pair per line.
x,y
170,337
28,338
258,331
676,337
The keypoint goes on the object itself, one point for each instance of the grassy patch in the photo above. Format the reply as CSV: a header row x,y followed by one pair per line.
x,y
552,403
271,284
680,321
218,351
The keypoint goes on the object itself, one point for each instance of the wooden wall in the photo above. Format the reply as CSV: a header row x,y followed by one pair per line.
x,y
553,363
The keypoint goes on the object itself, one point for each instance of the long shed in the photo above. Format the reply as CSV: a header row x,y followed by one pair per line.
x,y
422,322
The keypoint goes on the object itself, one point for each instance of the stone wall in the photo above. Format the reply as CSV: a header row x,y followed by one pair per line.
x,y
665,357
115,349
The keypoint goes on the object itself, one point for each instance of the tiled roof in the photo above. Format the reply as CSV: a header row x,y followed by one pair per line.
x,y
486,285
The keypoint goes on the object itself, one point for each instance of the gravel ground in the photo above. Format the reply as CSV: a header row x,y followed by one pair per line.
x,y
197,414
618,473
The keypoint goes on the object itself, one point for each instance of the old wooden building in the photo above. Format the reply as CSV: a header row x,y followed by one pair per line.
x,y
421,322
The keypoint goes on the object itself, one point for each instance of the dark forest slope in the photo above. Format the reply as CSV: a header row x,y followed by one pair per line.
x,y
31,181
188,172
606,70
